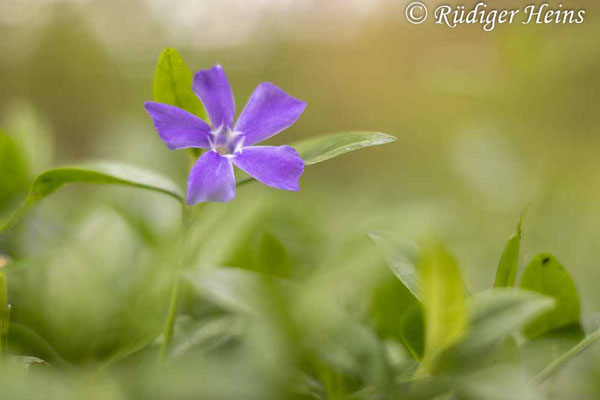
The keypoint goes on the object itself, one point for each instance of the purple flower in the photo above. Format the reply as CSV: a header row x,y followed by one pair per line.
x,y
269,111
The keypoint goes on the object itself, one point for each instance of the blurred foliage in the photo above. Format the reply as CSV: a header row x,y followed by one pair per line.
x,y
286,296
14,179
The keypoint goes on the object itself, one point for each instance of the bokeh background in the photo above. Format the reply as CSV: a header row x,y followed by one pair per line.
x,y
488,124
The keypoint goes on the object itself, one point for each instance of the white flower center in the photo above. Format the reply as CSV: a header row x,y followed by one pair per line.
x,y
226,141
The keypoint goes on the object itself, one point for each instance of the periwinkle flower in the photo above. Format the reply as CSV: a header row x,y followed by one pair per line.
x,y
269,111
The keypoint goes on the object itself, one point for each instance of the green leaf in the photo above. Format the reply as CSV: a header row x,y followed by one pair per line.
x,y
321,324
21,338
322,148
233,289
507,351
96,173
173,84
444,302
557,331
396,305
502,382
509,261
397,314
14,177
493,315
496,313
271,257
547,276
412,330
400,263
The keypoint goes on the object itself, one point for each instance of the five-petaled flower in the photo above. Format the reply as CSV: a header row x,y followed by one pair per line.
x,y
269,111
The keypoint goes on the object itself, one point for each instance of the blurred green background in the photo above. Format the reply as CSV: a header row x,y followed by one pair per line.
x,y
487,124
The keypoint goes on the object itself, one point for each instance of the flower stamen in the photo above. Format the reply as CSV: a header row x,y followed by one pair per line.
x,y
225,141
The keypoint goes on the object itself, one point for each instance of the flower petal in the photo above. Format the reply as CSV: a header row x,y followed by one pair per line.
x,y
178,128
211,179
269,111
213,89
279,167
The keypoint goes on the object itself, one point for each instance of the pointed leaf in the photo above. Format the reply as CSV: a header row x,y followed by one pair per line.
x,y
173,84
509,261
399,262
322,148
97,173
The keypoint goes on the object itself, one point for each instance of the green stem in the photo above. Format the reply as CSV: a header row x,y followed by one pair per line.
x,y
561,361
172,315
176,288
4,317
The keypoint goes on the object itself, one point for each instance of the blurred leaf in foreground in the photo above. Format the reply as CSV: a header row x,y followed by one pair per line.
x,y
561,361
271,257
34,134
396,304
13,167
97,173
509,261
398,260
496,383
317,329
493,314
444,301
